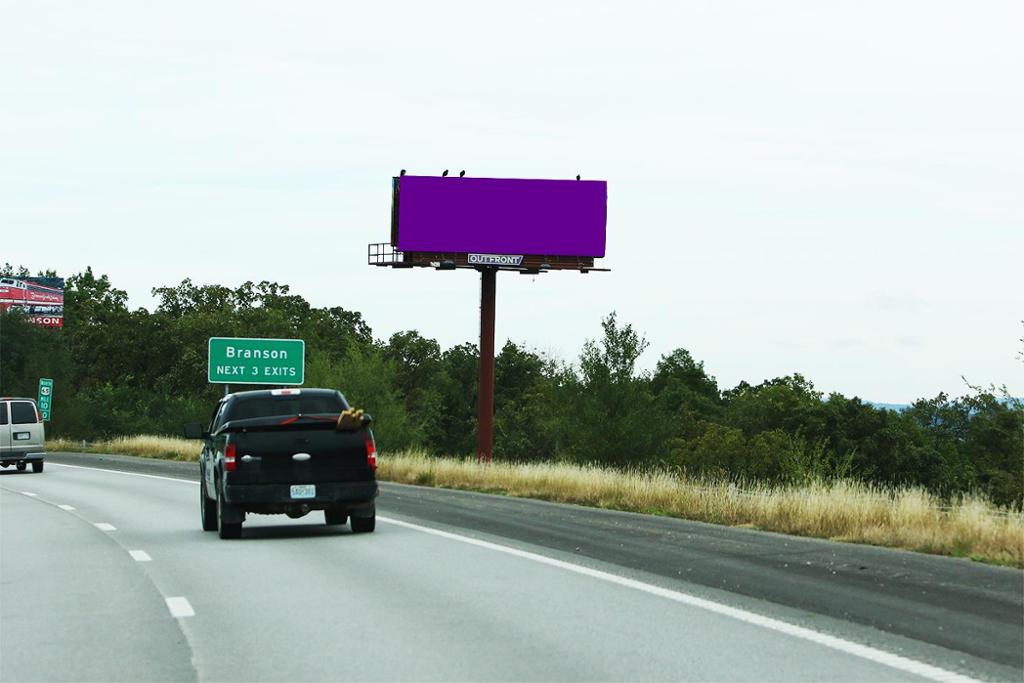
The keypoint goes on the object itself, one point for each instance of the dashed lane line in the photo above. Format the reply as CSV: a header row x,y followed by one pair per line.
x,y
179,607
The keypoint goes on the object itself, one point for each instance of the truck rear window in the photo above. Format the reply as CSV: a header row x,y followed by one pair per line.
x,y
23,413
284,405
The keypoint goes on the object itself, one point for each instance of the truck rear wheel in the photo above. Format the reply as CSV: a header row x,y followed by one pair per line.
x,y
364,525
226,529
37,466
207,509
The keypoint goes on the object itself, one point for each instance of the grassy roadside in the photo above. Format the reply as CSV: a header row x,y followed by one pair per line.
x,y
909,518
162,447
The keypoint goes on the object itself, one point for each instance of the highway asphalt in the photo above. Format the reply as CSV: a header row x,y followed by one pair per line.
x,y
462,586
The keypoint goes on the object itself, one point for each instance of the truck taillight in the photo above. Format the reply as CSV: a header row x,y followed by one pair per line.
x,y
229,458
371,451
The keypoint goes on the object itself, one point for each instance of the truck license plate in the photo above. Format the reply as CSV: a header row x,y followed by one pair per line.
x,y
303,490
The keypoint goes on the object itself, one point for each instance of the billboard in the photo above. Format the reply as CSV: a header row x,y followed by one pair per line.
x,y
499,216
41,299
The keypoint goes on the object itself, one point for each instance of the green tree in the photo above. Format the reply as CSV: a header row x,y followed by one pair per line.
x,y
452,428
610,408
526,409
686,393
788,403
720,452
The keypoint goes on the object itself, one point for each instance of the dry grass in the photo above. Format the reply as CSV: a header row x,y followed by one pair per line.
x,y
909,518
162,447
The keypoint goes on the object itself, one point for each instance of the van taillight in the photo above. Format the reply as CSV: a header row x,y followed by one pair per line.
x,y
229,458
371,451
39,415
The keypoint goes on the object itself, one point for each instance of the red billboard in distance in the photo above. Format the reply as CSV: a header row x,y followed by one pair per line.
x,y
40,299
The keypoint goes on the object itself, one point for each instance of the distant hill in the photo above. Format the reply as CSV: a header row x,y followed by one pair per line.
x,y
896,407
900,407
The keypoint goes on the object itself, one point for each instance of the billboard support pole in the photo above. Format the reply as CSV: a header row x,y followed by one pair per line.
x,y
485,418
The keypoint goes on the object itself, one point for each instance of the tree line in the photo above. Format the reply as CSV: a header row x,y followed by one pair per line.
x,y
122,371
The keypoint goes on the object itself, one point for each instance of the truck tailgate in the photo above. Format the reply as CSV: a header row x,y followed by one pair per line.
x,y
307,454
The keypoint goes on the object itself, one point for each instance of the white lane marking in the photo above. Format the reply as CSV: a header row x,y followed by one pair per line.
x,y
103,526
872,654
66,507
28,493
180,607
131,474
140,556
856,649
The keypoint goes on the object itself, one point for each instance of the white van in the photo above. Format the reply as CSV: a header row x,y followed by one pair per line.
x,y
22,437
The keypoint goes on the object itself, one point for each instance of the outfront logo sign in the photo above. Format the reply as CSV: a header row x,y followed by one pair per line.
x,y
494,260
243,360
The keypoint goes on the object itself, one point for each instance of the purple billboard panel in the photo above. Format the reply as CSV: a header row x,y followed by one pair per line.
x,y
502,216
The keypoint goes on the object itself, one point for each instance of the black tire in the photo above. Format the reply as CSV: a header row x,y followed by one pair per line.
x,y
364,525
335,516
20,466
207,509
37,466
226,529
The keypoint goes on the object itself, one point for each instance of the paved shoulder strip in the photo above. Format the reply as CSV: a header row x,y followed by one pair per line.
x,y
130,474
856,649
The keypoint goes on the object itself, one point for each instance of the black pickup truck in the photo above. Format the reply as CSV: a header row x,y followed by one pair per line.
x,y
281,451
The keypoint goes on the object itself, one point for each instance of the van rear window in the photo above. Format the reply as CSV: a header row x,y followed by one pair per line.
x,y
284,405
3,413
23,413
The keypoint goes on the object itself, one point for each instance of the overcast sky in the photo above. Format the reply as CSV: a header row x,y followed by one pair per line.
x,y
830,188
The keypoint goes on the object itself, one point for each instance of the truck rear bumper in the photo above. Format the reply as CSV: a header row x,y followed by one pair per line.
x,y
255,497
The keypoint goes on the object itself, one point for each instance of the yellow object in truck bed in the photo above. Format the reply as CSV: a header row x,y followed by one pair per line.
x,y
350,420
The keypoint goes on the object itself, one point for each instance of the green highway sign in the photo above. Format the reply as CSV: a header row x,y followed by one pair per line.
x,y
239,360
45,401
